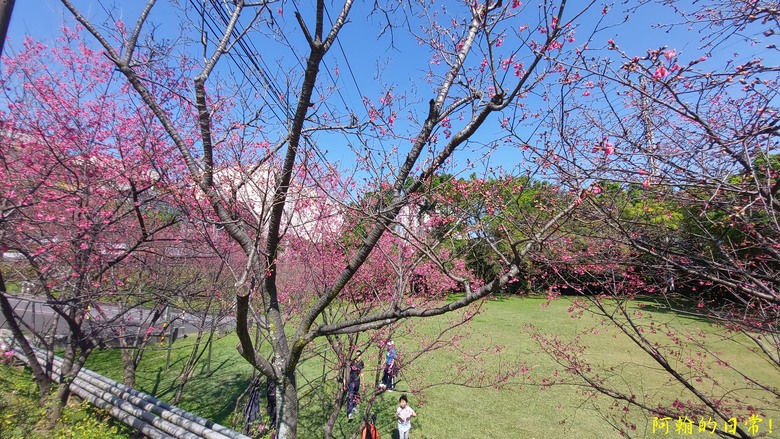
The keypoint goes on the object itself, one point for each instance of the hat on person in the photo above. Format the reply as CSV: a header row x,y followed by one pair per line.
x,y
390,343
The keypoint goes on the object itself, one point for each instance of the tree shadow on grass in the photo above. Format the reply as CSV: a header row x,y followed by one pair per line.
x,y
171,369
316,406
680,307
201,395
213,395
499,296
219,401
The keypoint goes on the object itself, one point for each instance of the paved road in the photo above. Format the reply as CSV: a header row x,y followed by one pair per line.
x,y
40,316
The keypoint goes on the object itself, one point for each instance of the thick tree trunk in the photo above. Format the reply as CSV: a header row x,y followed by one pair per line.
x,y
6,8
58,402
60,398
129,363
287,408
131,353
41,378
73,361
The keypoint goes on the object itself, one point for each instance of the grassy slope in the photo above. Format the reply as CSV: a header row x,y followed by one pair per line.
x,y
523,410
21,415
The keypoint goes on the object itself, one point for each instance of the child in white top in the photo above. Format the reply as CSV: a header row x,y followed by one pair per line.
x,y
404,414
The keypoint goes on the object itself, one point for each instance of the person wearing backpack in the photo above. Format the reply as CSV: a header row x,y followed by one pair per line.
x,y
369,429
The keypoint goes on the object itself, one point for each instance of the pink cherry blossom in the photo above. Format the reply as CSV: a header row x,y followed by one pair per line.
x,y
660,73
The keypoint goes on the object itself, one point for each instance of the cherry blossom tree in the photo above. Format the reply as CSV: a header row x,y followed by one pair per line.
x,y
82,196
681,207
626,167
481,63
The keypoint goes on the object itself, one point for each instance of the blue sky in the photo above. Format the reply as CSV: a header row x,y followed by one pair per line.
x,y
42,19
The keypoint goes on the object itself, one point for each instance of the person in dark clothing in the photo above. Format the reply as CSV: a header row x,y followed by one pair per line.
x,y
270,402
353,385
252,408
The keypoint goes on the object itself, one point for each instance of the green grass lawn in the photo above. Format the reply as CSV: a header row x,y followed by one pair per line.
x,y
521,408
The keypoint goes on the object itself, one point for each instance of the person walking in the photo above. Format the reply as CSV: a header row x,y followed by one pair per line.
x,y
353,385
391,367
404,413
